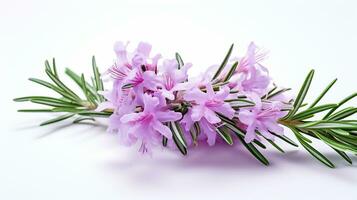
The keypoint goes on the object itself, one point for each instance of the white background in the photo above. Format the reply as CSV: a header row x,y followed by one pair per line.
x,y
85,162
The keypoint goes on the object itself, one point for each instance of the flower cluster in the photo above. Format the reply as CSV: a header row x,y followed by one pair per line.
x,y
153,101
150,92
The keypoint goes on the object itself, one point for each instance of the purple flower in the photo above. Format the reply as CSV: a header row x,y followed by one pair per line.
x,y
251,76
263,118
133,73
171,76
147,126
145,93
140,56
206,104
204,109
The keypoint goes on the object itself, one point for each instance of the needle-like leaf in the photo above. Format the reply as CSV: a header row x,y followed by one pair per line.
x,y
57,119
231,72
224,63
77,79
195,131
343,155
254,151
179,61
323,93
312,150
344,113
302,93
178,137
340,104
313,110
225,135
80,119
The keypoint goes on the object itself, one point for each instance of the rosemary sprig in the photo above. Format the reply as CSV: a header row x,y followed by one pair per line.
x,y
334,129
69,103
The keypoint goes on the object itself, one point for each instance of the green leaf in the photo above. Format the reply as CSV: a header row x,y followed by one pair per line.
x,y
344,113
68,109
97,79
164,141
334,144
312,150
47,100
98,82
254,151
286,139
224,62
271,91
231,125
275,145
343,155
48,66
340,132
233,128
240,103
80,119
340,104
44,98
95,114
53,87
53,103
225,135
35,110
329,125
195,131
314,110
302,93
61,85
179,61
350,140
178,138
323,93
77,79
231,72
127,86
301,137
54,67
273,94
57,119
86,91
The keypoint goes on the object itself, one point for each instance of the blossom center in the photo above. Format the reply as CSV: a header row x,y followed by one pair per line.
x,y
146,119
213,103
138,79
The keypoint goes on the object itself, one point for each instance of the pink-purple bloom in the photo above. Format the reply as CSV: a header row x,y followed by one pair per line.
x,y
262,118
148,92
205,106
251,76
147,125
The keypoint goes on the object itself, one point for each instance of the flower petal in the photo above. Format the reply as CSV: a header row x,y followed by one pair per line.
x,y
210,91
225,109
246,117
131,117
211,116
195,95
120,51
162,129
197,113
168,116
144,48
250,133
222,93
209,132
150,102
